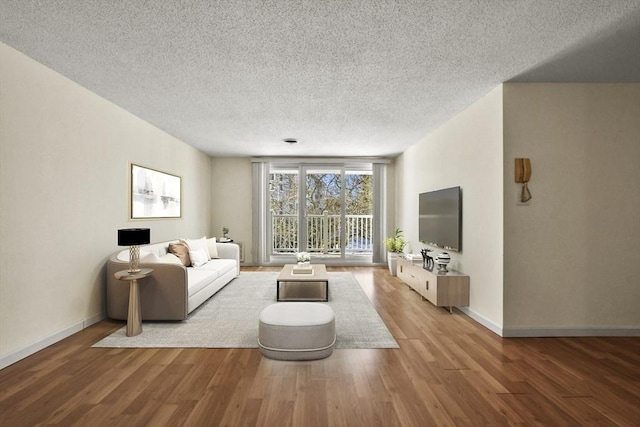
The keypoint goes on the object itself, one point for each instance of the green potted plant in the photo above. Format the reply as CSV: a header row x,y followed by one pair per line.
x,y
395,245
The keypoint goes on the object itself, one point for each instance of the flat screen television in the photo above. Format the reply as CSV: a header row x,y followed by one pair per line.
x,y
440,218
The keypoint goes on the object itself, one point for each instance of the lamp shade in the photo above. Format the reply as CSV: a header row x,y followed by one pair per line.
x,y
134,236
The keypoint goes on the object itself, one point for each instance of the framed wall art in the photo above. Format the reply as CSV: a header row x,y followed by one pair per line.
x,y
154,194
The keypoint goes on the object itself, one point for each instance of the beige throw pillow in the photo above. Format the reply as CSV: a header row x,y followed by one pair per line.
x,y
181,250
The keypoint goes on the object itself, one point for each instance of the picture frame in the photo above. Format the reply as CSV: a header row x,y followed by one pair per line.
x,y
154,194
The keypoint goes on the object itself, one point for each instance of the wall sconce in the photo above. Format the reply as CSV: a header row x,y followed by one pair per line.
x,y
523,175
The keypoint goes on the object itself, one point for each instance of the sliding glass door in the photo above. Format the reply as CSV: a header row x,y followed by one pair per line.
x,y
326,210
284,210
359,213
323,211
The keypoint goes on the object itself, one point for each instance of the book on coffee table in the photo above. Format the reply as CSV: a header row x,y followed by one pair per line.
x,y
302,269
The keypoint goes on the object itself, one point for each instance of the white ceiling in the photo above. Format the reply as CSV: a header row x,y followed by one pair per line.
x,y
347,78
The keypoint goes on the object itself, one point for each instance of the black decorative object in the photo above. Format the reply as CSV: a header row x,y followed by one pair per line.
x,y
427,261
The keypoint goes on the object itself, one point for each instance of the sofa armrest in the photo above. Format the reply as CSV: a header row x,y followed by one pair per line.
x,y
163,295
229,251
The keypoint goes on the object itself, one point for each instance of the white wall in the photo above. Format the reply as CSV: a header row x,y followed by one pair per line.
x,y
64,159
466,152
572,257
231,190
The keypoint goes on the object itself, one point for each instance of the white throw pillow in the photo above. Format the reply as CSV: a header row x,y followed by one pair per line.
x,y
124,255
198,257
170,259
213,248
150,258
199,244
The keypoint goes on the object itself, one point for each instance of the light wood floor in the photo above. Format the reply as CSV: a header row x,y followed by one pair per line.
x,y
448,371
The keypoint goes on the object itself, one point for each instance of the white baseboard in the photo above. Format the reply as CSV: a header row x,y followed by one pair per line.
x,y
94,319
524,332
592,331
18,355
482,320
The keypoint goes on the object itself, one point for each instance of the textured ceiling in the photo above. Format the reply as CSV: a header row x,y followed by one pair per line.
x,y
347,78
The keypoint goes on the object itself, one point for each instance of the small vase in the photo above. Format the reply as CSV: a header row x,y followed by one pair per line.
x,y
442,260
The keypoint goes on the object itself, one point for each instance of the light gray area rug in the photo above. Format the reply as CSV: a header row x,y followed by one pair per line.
x,y
229,319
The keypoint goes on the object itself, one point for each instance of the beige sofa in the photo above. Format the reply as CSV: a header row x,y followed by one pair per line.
x,y
173,290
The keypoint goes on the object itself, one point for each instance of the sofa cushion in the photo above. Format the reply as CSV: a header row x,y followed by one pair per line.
x,y
199,278
222,266
180,250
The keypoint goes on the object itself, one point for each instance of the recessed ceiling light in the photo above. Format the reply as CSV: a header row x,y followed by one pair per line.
x,y
290,140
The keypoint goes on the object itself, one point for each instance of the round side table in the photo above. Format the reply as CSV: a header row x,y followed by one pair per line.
x,y
134,316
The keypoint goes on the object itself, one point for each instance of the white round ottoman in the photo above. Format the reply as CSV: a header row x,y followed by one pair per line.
x,y
297,331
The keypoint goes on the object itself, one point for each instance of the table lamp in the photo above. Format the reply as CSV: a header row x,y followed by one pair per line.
x,y
133,237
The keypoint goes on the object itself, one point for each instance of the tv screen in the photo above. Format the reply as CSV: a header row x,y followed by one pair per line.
x,y
440,218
